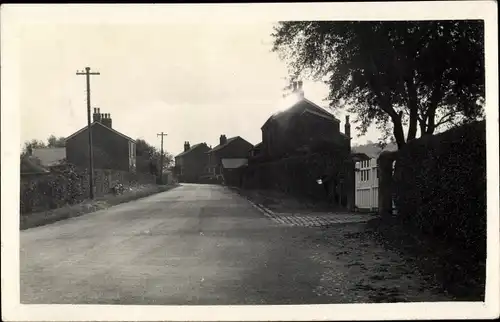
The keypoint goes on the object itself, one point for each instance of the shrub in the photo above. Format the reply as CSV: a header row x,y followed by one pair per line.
x,y
441,185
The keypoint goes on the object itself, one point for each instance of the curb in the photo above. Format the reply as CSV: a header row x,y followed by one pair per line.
x,y
260,207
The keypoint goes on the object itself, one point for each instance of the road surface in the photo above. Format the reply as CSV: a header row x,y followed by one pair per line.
x,y
196,244
206,245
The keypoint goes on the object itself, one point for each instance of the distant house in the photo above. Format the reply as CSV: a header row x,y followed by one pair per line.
x,y
366,178
256,150
192,162
232,170
49,157
232,148
111,149
300,127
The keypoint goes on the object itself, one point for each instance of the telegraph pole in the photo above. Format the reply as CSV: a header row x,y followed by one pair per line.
x,y
161,155
87,74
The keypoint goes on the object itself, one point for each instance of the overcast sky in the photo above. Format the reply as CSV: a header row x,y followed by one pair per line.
x,y
191,81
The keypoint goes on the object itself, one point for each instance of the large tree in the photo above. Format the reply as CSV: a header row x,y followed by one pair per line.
x,y
417,76
148,158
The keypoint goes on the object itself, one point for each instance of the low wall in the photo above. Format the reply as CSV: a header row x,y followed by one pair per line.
x,y
71,186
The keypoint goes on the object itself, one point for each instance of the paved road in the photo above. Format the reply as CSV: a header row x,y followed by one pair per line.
x,y
196,244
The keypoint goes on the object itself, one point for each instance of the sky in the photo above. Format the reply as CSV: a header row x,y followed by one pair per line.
x,y
193,81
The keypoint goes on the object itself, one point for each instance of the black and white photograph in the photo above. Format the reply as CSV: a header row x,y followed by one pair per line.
x,y
286,161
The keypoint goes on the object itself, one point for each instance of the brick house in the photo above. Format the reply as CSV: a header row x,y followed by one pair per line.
x,y
192,162
111,149
300,127
255,151
308,132
232,148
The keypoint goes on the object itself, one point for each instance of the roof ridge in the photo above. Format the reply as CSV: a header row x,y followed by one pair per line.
x,y
94,123
191,148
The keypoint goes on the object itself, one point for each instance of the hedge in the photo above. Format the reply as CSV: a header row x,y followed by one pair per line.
x,y
441,186
70,185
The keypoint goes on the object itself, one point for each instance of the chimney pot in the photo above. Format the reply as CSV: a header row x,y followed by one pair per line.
x,y
106,120
222,139
95,116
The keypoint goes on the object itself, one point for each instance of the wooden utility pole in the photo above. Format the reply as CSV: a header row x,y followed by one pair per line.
x,y
87,73
161,155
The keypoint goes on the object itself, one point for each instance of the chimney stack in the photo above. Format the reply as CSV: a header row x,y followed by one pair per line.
x,y
300,90
347,127
96,116
106,120
186,146
222,139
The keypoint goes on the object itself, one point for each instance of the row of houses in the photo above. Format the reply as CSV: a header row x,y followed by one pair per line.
x,y
297,129
202,163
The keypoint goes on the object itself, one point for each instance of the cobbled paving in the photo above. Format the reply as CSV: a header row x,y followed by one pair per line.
x,y
313,220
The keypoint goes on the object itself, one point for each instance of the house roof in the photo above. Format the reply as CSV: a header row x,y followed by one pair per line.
x,y
233,163
258,145
373,150
221,146
99,123
190,149
310,108
49,156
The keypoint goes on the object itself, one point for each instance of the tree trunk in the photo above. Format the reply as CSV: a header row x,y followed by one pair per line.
x,y
437,94
413,107
422,123
398,130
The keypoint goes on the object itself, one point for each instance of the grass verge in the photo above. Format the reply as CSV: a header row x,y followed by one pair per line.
x,y
48,217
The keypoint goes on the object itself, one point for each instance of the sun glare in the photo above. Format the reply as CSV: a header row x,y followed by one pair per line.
x,y
287,102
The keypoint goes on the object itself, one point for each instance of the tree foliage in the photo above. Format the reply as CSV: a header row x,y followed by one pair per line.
x,y
149,158
52,142
55,142
419,75
30,145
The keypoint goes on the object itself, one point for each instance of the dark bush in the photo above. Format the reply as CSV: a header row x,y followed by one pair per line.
x,y
298,175
69,185
441,184
440,194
